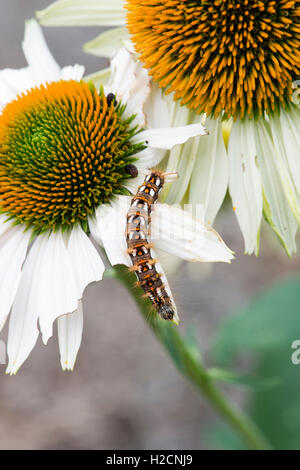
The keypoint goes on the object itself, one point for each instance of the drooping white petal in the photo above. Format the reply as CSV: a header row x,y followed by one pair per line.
x,y
176,231
23,331
70,265
245,181
54,275
69,337
107,43
285,134
172,230
43,67
13,246
166,138
83,13
209,178
72,72
276,207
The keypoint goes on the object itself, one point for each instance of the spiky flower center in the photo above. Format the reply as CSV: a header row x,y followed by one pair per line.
x,y
237,56
64,149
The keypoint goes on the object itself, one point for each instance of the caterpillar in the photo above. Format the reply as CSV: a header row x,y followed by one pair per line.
x,y
139,247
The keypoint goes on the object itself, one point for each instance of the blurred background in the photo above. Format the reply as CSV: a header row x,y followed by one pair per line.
x,y
125,393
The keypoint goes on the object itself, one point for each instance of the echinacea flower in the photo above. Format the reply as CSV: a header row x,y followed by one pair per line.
x,y
68,152
225,59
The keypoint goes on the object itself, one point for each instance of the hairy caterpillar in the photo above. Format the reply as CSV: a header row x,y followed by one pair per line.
x,y
139,248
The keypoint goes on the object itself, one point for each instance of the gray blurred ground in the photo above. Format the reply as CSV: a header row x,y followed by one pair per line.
x,y
124,392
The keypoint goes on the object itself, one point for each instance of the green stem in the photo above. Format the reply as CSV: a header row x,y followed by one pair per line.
x,y
187,360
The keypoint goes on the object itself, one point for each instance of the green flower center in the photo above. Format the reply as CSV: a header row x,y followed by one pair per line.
x,y
64,150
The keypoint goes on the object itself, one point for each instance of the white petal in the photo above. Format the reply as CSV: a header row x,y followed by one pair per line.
x,y
23,331
179,233
138,95
14,82
69,267
285,135
245,182
42,65
130,83
83,12
209,179
166,138
156,108
149,158
69,337
276,207
290,123
108,229
54,276
72,72
122,74
13,246
107,43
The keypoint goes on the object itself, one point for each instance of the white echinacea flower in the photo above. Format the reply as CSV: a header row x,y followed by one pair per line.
x,y
67,153
227,60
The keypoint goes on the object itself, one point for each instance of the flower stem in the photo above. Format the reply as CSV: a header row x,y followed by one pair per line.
x,y
187,360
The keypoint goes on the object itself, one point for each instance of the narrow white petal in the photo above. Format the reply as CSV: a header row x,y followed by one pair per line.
x,y
42,65
70,265
107,43
179,233
108,229
209,179
166,138
245,182
83,13
13,246
69,337
276,207
184,157
72,72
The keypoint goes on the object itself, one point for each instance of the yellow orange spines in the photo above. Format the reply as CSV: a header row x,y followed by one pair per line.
x,y
237,56
63,152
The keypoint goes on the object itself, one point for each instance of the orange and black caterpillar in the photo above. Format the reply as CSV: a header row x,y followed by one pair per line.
x,y
139,248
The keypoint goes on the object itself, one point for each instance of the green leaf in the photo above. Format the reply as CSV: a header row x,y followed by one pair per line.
x,y
252,381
